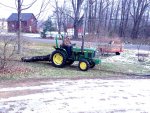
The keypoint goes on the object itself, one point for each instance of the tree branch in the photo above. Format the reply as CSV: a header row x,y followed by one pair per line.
x,y
42,8
7,6
30,5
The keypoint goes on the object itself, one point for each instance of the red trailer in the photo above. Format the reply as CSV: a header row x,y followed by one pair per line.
x,y
110,45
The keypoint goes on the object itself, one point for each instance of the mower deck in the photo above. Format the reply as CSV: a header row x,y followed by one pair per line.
x,y
36,58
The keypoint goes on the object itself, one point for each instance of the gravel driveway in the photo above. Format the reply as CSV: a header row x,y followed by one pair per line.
x,y
76,96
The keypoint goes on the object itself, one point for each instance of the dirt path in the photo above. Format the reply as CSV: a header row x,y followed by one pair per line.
x,y
75,96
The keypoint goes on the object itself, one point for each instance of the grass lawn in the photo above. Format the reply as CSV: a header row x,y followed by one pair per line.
x,y
118,66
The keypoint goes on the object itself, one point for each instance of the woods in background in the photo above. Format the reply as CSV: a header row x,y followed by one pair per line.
x,y
124,18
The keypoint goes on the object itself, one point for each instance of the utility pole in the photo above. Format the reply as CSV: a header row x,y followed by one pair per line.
x,y
19,27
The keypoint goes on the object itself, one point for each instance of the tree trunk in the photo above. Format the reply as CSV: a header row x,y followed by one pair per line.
x,y
95,19
123,12
135,30
75,30
99,16
90,19
106,18
110,18
76,4
19,27
116,17
139,8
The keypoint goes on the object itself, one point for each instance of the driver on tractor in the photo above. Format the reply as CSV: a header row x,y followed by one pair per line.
x,y
67,45
66,42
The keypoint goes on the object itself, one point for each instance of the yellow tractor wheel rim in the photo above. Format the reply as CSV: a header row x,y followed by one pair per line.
x,y
83,65
58,59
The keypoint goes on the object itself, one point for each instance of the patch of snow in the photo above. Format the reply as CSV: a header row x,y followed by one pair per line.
x,y
37,35
87,96
127,57
23,88
22,34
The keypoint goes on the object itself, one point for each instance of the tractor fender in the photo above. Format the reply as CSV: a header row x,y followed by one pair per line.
x,y
61,49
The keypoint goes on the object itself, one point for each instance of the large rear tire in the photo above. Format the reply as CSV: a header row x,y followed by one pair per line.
x,y
58,59
83,65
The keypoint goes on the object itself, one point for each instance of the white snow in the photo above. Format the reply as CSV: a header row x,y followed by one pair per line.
x,y
129,57
83,96
24,88
33,35
37,35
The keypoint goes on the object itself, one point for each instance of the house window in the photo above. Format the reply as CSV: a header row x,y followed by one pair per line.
x,y
13,26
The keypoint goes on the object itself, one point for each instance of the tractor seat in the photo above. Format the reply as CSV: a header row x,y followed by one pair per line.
x,y
68,49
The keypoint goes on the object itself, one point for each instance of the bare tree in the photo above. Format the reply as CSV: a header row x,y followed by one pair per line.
x,y
7,50
91,15
111,15
59,15
137,12
145,25
65,17
76,5
125,11
43,7
62,16
102,17
95,16
19,26
19,10
106,16
116,16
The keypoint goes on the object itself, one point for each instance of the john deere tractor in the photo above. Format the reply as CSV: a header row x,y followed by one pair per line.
x,y
67,54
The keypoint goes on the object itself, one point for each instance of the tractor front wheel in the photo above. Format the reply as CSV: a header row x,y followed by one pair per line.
x,y
58,58
83,65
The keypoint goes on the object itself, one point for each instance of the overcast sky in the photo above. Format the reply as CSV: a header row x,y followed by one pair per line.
x,y
5,12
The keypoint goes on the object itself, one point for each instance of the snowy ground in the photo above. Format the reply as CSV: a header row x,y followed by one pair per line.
x,y
78,96
82,96
129,58
23,34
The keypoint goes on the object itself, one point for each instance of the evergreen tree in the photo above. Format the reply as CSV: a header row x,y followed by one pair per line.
x,y
48,27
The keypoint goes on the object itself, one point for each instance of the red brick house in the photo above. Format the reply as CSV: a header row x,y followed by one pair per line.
x,y
28,23
70,29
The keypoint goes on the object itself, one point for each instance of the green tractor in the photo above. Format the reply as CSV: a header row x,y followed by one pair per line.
x,y
67,54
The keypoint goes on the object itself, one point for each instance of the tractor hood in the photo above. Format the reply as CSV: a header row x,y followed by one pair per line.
x,y
90,50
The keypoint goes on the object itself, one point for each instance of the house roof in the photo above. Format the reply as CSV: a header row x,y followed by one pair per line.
x,y
24,16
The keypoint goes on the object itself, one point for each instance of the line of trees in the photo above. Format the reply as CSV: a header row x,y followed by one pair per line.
x,y
125,18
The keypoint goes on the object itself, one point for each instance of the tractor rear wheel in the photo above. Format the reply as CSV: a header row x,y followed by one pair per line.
x,y
58,58
83,65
